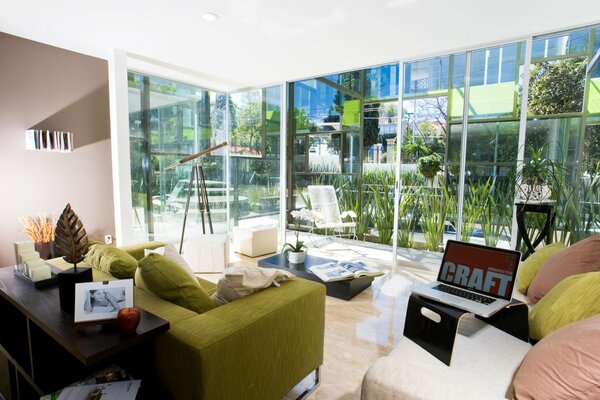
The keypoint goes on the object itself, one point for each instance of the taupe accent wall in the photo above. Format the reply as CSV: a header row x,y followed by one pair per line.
x,y
44,87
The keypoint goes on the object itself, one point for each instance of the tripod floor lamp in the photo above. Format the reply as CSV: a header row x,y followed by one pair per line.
x,y
198,182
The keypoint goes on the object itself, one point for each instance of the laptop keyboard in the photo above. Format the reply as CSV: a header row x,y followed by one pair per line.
x,y
465,294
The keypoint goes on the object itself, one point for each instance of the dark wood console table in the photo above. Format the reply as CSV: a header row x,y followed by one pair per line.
x,y
41,352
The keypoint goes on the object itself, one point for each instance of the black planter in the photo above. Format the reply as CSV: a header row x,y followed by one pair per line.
x,y
66,286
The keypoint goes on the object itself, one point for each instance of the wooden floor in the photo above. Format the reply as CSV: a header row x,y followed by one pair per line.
x,y
360,331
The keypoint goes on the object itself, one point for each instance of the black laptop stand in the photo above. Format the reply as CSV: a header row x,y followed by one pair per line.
x,y
437,337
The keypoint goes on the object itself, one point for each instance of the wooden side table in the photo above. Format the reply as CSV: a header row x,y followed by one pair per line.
x,y
41,350
543,208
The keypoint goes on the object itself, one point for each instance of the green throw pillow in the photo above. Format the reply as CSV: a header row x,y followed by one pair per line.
x,y
171,282
530,267
137,250
575,298
111,260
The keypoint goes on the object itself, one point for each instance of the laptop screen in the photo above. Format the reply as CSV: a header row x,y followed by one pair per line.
x,y
482,269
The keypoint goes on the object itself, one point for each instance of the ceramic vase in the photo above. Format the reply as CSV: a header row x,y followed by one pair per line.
x,y
533,193
296,257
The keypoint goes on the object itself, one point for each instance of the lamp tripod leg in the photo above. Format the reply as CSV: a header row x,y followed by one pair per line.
x,y
187,207
204,195
199,191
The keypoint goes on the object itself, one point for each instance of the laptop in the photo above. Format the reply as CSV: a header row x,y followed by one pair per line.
x,y
475,278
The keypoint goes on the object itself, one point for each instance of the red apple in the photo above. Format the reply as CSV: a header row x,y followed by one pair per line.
x,y
128,319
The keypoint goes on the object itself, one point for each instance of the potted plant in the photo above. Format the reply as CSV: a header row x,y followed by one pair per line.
x,y
534,177
296,252
429,166
40,230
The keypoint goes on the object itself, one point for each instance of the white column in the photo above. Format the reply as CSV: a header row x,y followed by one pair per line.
x,y
283,163
398,183
119,126
522,130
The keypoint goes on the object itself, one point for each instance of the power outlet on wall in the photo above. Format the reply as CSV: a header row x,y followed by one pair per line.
x,y
108,239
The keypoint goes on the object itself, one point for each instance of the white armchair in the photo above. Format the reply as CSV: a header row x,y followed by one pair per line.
x,y
324,201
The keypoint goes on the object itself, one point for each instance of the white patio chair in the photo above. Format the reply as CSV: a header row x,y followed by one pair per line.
x,y
324,201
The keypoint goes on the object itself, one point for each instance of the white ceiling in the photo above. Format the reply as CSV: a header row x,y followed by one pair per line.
x,y
259,42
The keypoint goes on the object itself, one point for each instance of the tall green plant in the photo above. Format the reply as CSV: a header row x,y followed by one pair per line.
x,y
497,214
408,216
436,203
351,198
475,202
577,210
383,207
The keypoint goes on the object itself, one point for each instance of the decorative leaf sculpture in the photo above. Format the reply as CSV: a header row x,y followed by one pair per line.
x,y
70,237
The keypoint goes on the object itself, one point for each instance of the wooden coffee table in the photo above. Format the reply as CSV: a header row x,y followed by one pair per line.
x,y
345,290
42,351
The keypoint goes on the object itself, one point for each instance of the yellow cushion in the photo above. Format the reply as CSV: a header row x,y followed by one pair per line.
x,y
575,298
530,267
169,281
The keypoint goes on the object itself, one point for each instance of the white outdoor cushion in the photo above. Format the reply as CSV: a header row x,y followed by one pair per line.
x,y
483,363
207,253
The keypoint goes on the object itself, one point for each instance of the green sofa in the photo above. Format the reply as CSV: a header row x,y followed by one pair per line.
x,y
257,347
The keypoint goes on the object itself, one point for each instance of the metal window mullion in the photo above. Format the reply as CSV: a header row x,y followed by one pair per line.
x,y
522,131
486,66
283,135
398,183
500,56
579,168
463,150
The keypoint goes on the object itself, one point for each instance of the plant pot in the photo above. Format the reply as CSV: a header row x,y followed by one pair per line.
x,y
46,249
296,257
533,193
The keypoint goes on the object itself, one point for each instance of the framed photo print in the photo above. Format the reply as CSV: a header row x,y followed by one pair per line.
x,y
100,301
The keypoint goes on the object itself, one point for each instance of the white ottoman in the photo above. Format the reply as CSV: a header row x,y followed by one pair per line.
x,y
255,241
207,253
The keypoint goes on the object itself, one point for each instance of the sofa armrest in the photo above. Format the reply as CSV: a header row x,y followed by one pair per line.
x,y
257,347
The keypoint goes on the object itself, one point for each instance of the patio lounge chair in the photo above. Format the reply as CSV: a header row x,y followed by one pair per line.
x,y
324,201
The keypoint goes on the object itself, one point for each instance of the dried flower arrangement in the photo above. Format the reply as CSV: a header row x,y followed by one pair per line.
x,y
40,229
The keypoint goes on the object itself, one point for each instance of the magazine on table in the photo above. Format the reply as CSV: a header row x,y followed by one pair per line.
x,y
124,390
342,270
110,383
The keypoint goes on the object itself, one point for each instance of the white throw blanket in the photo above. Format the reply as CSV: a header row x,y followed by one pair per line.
x,y
240,281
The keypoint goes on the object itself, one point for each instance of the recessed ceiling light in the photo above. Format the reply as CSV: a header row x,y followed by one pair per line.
x,y
208,16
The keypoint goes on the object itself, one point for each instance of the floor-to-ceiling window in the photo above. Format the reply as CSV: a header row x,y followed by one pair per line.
x,y
426,203
562,128
459,141
459,162
342,133
255,118
169,121
491,144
